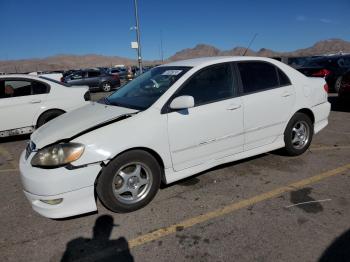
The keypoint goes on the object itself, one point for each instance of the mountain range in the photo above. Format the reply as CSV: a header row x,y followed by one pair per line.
x,y
64,62
329,46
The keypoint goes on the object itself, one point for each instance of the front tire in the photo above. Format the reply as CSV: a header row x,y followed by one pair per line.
x,y
129,182
298,134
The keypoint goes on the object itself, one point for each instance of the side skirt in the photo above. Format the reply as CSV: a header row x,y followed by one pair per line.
x,y
172,176
17,131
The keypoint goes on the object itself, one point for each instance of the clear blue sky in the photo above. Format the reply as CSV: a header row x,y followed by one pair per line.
x,y
41,28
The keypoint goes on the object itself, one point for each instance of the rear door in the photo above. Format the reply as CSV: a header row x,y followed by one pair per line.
x,y
20,100
213,128
268,98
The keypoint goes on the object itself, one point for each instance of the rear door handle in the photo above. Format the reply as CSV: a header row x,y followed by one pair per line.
x,y
286,94
233,107
35,101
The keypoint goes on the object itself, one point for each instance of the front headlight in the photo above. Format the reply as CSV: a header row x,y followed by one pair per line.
x,y
57,155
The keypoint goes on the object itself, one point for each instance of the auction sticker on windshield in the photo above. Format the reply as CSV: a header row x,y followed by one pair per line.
x,y
172,72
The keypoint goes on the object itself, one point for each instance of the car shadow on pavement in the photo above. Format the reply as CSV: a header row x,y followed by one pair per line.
x,y
100,247
339,250
190,179
340,105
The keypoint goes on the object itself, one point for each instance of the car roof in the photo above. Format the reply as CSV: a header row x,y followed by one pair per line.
x,y
34,77
216,59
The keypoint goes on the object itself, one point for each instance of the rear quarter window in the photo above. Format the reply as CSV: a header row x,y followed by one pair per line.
x,y
283,78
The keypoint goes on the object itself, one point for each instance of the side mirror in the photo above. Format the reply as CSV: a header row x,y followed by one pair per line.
x,y
182,102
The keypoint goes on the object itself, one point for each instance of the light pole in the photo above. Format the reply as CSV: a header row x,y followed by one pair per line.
x,y
139,57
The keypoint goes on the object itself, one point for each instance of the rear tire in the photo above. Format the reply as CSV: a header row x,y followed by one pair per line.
x,y
129,182
298,134
47,116
106,86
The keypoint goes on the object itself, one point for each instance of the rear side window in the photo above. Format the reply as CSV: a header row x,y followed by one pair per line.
x,y
94,73
257,76
210,85
39,88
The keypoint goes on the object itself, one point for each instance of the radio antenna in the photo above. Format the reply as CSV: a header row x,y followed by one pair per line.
x,y
250,43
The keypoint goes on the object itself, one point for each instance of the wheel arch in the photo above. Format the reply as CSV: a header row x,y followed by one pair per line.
x,y
148,150
45,112
307,112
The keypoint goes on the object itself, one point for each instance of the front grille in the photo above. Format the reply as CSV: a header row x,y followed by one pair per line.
x,y
29,149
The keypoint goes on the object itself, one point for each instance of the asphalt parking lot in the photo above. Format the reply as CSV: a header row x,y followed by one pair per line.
x,y
251,210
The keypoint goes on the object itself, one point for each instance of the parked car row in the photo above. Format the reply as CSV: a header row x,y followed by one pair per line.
x,y
95,79
332,68
35,98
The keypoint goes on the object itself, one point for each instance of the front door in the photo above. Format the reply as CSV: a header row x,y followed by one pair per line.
x,y
213,128
92,78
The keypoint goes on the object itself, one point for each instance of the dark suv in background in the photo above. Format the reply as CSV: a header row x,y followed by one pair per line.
x,y
96,79
332,68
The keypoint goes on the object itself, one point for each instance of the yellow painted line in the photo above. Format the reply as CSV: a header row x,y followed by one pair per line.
x,y
162,232
8,170
322,148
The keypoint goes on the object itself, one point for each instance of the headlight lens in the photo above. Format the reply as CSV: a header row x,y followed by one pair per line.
x,y
57,155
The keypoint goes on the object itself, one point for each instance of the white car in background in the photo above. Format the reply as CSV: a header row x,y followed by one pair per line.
x,y
173,121
27,102
55,75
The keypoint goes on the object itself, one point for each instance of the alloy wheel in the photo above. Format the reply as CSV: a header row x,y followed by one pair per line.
x,y
300,134
132,183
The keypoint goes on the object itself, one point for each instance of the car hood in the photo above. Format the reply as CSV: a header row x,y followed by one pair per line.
x,y
79,121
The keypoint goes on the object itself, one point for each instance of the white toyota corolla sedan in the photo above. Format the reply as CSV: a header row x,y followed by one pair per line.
x,y
171,122
27,102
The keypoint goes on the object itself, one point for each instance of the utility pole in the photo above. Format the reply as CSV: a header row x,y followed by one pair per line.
x,y
161,47
139,57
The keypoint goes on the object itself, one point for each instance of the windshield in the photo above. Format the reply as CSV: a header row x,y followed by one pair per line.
x,y
144,90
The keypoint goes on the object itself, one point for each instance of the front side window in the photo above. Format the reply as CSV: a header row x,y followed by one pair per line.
x,y
209,85
17,88
144,90
257,76
76,75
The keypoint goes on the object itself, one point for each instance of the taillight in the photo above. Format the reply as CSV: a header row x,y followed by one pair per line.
x,y
321,73
326,88
62,79
116,77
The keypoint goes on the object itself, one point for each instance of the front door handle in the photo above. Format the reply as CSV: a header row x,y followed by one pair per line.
x,y
286,94
35,101
233,107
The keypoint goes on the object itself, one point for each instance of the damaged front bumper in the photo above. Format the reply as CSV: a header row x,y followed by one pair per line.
x,y
59,192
